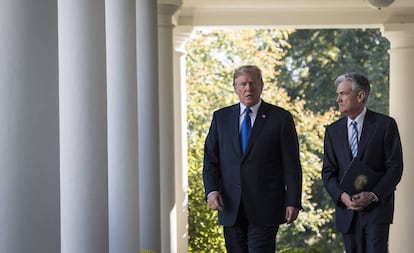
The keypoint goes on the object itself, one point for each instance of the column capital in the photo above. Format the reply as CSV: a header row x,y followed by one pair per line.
x,y
166,11
181,35
400,35
169,7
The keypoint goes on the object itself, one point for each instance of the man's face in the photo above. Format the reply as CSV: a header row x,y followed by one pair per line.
x,y
350,103
248,88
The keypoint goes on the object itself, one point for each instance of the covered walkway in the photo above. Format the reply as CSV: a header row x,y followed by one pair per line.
x,y
93,132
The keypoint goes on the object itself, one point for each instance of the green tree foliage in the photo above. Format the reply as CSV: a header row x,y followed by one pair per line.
x,y
317,57
297,66
211,60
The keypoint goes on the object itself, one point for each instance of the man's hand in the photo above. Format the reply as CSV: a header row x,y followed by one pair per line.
x,y
214,201
291,214
347,200
357,202
362,199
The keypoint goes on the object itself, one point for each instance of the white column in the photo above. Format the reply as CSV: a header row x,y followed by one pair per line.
x,y
29,127
401,37
180,235
181,34
83,126
148,126
122,127
166,119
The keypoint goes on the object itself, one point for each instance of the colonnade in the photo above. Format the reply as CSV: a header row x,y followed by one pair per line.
x,y
87,133
93,133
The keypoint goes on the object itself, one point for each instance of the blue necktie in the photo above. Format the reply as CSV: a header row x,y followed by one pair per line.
x,y
354,139
245,129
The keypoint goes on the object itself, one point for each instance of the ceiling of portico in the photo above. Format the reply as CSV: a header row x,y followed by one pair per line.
x,y
292,13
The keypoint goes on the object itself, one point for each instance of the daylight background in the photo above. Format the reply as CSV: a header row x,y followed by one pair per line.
x,y
299,67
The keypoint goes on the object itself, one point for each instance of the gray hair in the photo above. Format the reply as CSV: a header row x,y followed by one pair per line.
x,y
359,83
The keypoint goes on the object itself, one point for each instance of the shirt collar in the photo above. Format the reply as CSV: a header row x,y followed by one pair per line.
x,y
254,108
360,118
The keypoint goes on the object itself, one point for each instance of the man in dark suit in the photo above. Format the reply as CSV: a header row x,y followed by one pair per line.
x,y
255,184
364,217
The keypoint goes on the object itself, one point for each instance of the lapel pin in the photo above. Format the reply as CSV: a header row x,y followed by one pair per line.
x,y
263,116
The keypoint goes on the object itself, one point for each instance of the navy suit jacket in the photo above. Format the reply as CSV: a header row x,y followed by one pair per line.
x,y
380,149
267,177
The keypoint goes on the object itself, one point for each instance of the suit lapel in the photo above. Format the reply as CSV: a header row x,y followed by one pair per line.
x,y
234,128
343,143
367,131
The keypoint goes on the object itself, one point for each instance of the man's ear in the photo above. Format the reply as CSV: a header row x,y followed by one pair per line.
x,y
361,96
